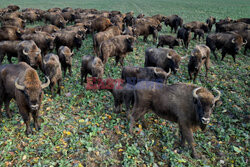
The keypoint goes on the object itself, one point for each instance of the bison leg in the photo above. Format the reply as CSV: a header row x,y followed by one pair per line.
x,y
36,123
59,83
213,51
136,115
195,75
70,70
233,55
145,38
190,75
195,36
188,135
7,103
182,138
9,59
223,55
26,119
1,58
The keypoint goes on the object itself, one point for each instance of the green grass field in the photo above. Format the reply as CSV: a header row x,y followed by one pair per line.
x,y
80,128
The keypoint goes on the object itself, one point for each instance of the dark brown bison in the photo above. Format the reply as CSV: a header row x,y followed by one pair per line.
x,y
174,21
185,35
31,16
196,25
13,8
210,22
128,31
238,26
48,28
229,42
55,19
68,38
91,65
8,48
145,29
132,75
100,24
163,58
129,20
220,23
117,47
104,35
199,56
52,69
10,33
22,82
188,105
28,52
246,37
244,20
43,40
65,57
17,22
168,40
200,33
160,18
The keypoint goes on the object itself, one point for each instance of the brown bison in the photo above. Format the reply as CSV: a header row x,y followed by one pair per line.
x,y
48,28
246,37
52,69
196,25
229,42
168,40
238,26
17,22
91,65
65,57
28,52
188,105
132,75
100,24
145,29
43,40
159,17
10,33
185,35
174,21
210,22
22,82
13,8
244,20
163,58
199,56
117,47
200,33
8,48
104,35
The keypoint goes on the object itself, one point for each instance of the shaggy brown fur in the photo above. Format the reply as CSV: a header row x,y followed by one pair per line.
x,y
65,57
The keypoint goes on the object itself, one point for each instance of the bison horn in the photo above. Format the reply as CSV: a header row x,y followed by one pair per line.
x,y
233,40
184,57
169,72
24,52
217,97
244,43
46,84
169,56
20,87
194,92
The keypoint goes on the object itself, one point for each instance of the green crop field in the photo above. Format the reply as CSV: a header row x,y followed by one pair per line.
x,y
79,128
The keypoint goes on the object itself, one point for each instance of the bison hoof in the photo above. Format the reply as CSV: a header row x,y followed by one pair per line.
x,y
195,155
29,132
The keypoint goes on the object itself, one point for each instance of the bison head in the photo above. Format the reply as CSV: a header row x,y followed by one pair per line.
x,y
130,43
33,55
50,42
196,59
97,68
31,87
174,61
67,54
78,41
161,74
237,43
204,103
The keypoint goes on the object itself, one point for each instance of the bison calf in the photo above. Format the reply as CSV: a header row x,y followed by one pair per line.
x,y
200,33
185,36
52,69
199,56
91,65
167,40
65,57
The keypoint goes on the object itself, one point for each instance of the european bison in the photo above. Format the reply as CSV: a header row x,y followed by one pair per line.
x,y
100,24
52,69
91,65
22,82
188,105
8,48
246,37
229,42
185,35
132,75
174,21
199,56
104,35
200,33
164,58
65,57
27,51
10,33
145,29
117,47
244,20
238,26
210,22
196,25
168,40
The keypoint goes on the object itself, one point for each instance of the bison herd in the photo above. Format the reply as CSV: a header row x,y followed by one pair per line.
x,y
114,34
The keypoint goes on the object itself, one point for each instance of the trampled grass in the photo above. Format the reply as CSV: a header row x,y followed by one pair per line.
x,y
80,128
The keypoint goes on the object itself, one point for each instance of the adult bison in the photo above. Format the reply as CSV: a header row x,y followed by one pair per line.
x,y
246,37
229,42
100,24
145,29
27,51
188,105
238,26
65,57
199,56
104,35
164,58
174,21
21,82
8,48
244,20
132,75
196,25
168,40
210,22
117,47
10,33
185,35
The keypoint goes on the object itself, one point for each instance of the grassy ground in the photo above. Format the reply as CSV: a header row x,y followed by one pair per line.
x,y
80,128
